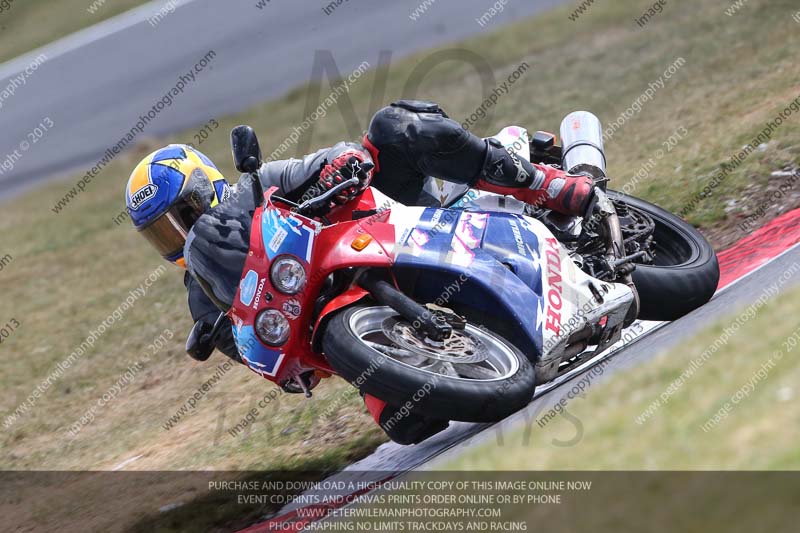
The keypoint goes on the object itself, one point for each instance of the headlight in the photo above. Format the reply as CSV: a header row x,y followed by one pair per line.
x,y
288,275
272,327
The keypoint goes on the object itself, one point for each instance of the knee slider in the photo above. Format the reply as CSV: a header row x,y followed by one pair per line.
x,y
388,126
421,126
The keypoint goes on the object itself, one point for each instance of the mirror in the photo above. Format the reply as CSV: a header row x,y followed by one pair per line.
x,y
246,151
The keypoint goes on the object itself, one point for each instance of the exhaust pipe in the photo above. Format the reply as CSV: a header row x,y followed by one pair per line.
x,y
583,153
582,141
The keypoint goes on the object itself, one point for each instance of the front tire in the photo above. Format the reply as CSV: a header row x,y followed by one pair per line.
x,y
685,273
356,345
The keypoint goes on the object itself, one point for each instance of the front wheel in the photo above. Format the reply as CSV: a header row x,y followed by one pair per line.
x,y
473,376
685,271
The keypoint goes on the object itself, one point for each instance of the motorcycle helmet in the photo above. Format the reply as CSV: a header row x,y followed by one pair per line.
x,y
168,191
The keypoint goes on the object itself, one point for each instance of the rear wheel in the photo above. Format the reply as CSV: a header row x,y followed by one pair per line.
x,y
685,271
473,376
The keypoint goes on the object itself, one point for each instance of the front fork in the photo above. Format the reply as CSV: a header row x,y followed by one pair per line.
x,y
422,319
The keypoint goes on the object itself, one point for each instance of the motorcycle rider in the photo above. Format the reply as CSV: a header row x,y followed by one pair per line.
x,y
177,197
410,141
165,192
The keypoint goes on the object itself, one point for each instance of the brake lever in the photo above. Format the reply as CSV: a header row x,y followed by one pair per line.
x,y
283,200
325,197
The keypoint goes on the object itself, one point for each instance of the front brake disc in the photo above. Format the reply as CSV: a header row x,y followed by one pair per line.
x,y
458,348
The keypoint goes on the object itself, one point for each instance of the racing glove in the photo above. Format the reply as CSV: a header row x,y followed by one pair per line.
x,y
348,164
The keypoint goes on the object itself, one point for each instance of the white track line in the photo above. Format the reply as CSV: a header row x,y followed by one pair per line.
x,y
86,36
125,463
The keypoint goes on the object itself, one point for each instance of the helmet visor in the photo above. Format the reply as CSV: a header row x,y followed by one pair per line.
x,y
167,233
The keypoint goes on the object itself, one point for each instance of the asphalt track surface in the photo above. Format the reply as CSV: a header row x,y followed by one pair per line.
x,y
95,85
756,262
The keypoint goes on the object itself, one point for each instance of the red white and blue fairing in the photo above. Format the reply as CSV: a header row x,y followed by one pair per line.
x,y
483,254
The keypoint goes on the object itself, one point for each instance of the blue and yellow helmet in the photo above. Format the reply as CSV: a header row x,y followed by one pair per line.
x,y
168,191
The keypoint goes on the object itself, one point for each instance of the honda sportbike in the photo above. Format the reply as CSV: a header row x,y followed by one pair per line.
x,y
458,312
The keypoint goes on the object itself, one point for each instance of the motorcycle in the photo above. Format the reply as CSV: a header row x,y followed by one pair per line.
x,y
456,312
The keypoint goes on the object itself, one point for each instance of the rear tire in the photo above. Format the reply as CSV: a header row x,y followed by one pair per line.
x,y
347,343
685,273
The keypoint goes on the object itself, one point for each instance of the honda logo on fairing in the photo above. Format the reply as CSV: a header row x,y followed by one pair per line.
x,y
555,291
258,293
